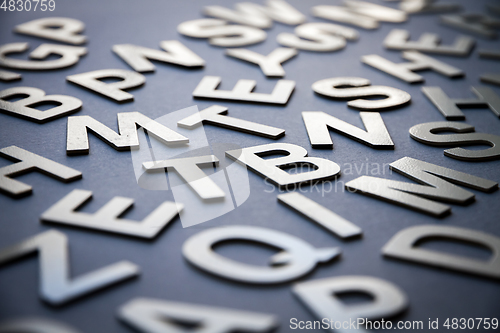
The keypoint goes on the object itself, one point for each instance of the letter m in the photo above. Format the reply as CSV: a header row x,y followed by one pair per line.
x,y
437,186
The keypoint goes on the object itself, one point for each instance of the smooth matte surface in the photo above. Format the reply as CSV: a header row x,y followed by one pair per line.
x,y
165,274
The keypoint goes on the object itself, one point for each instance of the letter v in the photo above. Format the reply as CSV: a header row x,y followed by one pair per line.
x,y
56,288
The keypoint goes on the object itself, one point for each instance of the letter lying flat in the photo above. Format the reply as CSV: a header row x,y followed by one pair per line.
x,y
405,71
219,33
213,115
478,24
30,162
296,259
437,182
358,87
319,123
77,141
258,16
320,296
8,76
404,246
70,55
56,286
107,218
176,53
427,133
151,316
449,107
319,214
270,64
242,91
318,37
397,39
61,29
21,108
272,168
35,325
114,91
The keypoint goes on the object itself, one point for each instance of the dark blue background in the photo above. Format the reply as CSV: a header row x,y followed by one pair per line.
x,y
165,274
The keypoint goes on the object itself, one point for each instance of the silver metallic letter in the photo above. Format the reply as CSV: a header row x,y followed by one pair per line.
x,y
34,325
30,162
491,78
320,296
272,168
328,87
212,115
427,6
56,286
9,76
270,64
154,316
319,123
252,14
362,14
404,71
344,15
319,214
492,54
427,133
77,141
435,186
450,107
22,107
477,24
176,53
90,80
242,91
397,39
107,218
404,246
377,12
219,33
297,258
69,56
189,169
61,29
318,37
